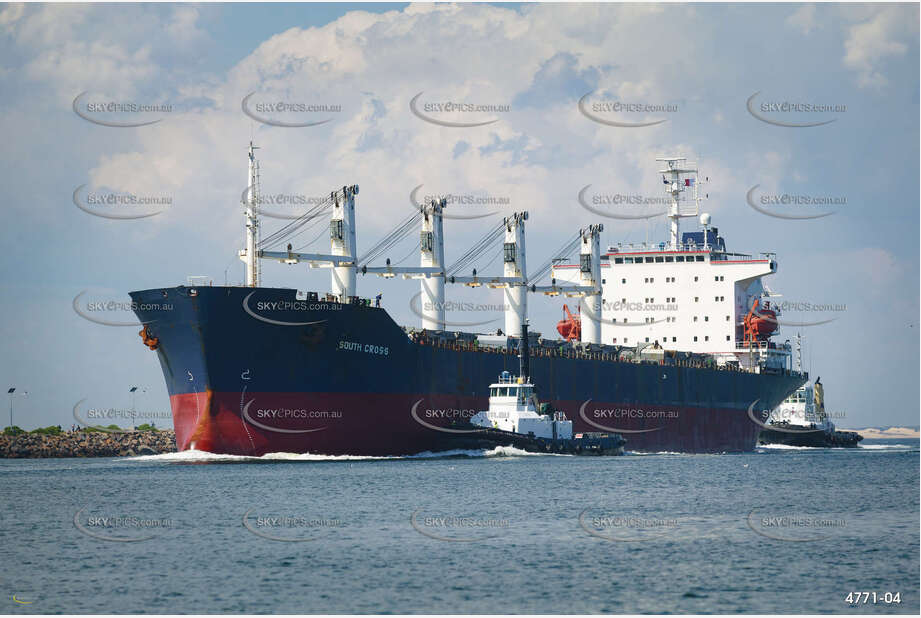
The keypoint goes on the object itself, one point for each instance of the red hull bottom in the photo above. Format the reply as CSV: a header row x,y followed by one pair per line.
x,y
375,425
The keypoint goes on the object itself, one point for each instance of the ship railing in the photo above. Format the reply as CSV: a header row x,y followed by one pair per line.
x,y
761,345
575,354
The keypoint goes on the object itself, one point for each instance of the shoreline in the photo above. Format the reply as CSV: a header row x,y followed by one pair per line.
x,y
87,444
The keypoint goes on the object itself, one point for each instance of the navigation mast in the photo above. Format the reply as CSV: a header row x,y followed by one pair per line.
x,y
251,233
679,176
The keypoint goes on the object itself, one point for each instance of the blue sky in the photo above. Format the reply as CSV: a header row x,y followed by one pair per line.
x,y
370,60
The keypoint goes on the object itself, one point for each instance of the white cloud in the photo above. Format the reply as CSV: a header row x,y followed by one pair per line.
x,y
871,42
803,19
71,48
11,13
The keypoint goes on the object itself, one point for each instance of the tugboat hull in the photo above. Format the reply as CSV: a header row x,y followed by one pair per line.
x,y
583,444
818,438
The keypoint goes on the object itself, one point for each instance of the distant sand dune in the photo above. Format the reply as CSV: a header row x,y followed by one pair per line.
x,y
873,433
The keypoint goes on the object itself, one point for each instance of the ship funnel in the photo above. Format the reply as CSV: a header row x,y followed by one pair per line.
x,y
524,360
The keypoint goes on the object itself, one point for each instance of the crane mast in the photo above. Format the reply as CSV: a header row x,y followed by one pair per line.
x,y
251,214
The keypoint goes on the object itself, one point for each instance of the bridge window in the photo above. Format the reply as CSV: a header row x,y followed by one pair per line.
x,y
628,260
669,258
618,260
700,258
649,260
660,259
679,258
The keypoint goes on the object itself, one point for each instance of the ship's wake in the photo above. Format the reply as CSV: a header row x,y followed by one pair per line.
x,y
887,447
859,447
193,456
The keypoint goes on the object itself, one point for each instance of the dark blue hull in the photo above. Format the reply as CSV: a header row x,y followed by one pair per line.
x,y
251,371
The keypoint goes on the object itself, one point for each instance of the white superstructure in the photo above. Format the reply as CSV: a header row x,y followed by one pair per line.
x,y
800,409
806,406
688,294
513,407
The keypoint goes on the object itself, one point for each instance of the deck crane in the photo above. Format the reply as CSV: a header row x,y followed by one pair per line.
x,y
430,271
589,288
341,258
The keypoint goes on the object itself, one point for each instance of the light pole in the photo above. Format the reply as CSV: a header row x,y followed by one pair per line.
x,y
10,392
133,391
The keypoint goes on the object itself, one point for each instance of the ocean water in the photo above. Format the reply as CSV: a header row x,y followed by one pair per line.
x,y
782,530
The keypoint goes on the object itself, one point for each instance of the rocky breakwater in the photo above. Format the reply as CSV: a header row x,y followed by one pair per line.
x,y
87,444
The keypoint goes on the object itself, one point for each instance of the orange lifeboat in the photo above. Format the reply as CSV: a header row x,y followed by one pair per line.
x,y
570,327
759,324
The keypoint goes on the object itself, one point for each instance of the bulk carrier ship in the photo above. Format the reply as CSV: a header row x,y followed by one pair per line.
x,y
252,370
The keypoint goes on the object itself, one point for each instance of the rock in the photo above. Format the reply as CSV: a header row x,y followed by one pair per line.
x,y
87,444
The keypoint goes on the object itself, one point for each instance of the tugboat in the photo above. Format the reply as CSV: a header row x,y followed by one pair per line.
x,y
801,420
513,418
